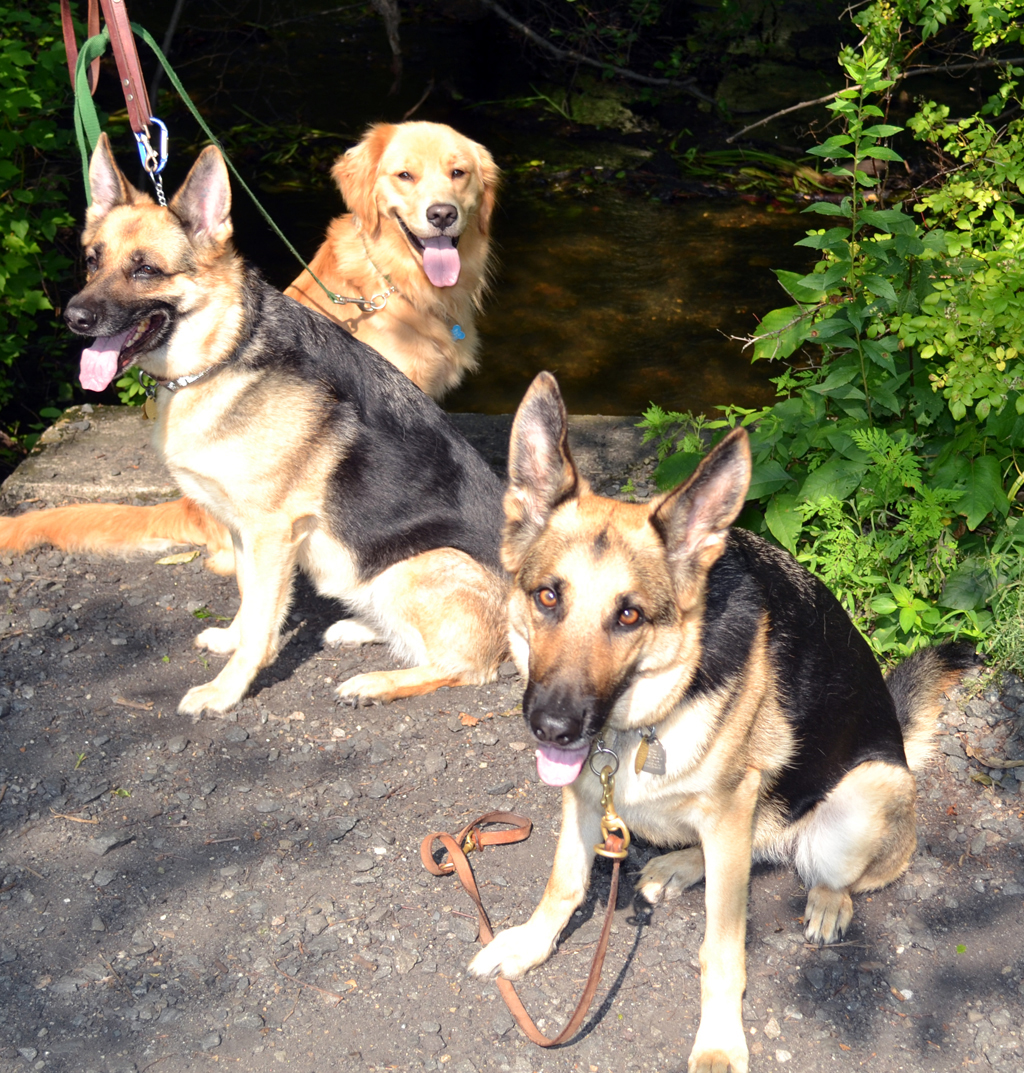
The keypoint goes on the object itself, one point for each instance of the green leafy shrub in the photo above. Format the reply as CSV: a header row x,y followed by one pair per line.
x,y
34,92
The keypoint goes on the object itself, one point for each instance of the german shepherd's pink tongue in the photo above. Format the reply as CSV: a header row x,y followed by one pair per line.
x,y
99,361
441,261
559,767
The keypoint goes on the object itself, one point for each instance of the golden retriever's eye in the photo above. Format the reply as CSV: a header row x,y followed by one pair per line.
x,y
630,616
406,176
547,599
457,173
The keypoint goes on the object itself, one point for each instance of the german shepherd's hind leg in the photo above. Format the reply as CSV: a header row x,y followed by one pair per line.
x,y
440,611
667,876
513,952
860,837
350,633
720,1045
265,570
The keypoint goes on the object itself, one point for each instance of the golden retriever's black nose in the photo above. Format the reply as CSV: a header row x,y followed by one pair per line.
x,y
442,216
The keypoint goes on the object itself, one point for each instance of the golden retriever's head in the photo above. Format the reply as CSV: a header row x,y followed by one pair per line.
x,y
427,179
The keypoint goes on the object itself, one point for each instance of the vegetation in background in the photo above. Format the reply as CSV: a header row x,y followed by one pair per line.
x,y
35,146
891,464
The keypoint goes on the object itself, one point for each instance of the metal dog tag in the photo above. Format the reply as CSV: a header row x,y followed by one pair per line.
x,y
650,756
149,408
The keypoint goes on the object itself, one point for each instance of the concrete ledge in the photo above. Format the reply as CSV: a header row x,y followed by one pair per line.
x,y
103,453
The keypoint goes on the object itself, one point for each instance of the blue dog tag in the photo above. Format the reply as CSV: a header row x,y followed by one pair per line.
x,y
457,333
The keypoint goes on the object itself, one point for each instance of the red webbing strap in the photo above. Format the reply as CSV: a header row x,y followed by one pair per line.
x,y
71,45
458,863
126,56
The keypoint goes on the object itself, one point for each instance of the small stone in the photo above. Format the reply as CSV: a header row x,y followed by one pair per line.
x,y
772,1029
102,844
236,734
466,930
103,877
210,1041
177,744
38,618
517,746
248,1019
364,863
28,1053
268,806
380,752
501,788
97,924
377,789
507,669
782,1056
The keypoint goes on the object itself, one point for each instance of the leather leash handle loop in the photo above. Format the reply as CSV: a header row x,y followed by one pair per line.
x,y
71,45
459,864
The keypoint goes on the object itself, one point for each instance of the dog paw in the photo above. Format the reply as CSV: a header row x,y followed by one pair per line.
x,y
364,689
349,633
667,876
209,697
718,1060
510,954
221,640
827,915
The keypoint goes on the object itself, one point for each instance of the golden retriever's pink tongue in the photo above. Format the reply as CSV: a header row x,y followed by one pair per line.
x,y
441,261
559,767
99,362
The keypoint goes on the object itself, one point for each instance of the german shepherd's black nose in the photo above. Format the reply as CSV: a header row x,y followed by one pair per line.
x,y
80,319
559,715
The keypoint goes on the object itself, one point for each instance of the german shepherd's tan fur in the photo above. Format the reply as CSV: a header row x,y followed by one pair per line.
x,y
781,740
311,449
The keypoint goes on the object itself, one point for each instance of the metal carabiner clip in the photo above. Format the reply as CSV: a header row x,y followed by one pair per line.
x,y
152,160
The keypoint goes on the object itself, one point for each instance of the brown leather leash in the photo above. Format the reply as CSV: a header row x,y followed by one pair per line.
x,y
126,56
471,838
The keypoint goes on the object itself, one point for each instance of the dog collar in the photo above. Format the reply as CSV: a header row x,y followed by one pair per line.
x,y
181,381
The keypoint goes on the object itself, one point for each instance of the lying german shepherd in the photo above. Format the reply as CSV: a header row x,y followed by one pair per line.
x,y
749,717
310,447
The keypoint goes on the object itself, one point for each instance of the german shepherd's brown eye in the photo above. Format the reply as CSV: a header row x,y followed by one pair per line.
x,y
147,270
630,616
547,599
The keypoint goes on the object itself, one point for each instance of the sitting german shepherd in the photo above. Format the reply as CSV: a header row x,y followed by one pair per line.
x,y
748,715
311,448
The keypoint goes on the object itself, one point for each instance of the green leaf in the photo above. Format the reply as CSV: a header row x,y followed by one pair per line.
x,y
880,287
784,521
781,332
883,605
968,587
828,208
675,469
767,477
984,492
791,282
837,477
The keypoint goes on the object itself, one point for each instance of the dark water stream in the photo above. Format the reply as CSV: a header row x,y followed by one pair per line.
x,y
628,298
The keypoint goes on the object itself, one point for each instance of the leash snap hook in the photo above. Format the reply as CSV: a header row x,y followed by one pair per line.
x,y
613,827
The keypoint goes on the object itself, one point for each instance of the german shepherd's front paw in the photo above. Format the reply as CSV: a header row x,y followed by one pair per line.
x,y
827,915
213,697
221,640
511,954
718,1048
667,876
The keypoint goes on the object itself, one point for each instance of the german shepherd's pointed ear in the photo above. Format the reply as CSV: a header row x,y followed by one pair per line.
x,y
203,202
490,176
541,472
107,184
356,175
694,519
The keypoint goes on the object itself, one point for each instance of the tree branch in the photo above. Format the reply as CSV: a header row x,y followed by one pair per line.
x,y
941,69
571,54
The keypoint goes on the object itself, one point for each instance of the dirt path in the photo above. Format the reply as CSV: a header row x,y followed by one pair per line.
x,y
247,893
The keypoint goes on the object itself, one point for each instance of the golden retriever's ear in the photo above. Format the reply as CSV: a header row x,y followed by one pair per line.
x,y
490,176
356,176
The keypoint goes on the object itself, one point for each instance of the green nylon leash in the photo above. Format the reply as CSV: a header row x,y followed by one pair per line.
x,y
87,126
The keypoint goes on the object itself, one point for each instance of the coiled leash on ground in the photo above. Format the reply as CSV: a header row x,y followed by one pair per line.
x,y
471,838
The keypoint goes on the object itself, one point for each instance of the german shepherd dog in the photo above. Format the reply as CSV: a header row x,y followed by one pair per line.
x,y
418,238
779,739
306,444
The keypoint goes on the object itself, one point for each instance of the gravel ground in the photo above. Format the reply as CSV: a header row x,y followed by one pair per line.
x,y
247,892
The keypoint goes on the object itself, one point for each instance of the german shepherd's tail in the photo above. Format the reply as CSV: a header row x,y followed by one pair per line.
x,y
110,529
918,686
